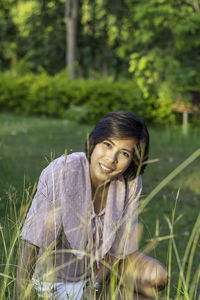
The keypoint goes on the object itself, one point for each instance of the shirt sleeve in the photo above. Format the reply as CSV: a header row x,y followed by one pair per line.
x,y
126,240
43,221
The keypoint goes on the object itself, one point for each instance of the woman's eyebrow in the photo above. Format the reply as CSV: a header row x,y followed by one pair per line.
x,y
110,141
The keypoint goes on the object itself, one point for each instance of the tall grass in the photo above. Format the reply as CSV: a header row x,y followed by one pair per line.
x,y
187,285
179,252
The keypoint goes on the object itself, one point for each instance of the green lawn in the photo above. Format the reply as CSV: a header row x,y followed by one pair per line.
x,y
28,143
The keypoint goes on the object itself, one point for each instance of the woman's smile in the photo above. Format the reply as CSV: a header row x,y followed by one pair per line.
x,y
106,169
110,158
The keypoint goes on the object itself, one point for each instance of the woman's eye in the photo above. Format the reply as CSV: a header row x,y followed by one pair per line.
x,y
107,144
125,154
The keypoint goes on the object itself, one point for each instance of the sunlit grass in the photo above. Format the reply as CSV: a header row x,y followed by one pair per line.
x,y
186,284
170,218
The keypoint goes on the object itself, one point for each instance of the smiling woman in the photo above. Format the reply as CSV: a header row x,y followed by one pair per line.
x,y
83,219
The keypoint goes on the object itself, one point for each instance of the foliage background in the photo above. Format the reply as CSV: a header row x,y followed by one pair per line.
x,y
154,43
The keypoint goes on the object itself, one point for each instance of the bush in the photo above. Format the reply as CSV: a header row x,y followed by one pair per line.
x,y
81,100
102,96
14,92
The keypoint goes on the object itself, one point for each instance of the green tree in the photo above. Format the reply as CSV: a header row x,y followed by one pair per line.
x,y
42,33
166,41
101,33
8,35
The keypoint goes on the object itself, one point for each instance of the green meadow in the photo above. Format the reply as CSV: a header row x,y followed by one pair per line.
x,y
169,219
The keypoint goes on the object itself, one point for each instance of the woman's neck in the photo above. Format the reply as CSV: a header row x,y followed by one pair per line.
x,y
99,197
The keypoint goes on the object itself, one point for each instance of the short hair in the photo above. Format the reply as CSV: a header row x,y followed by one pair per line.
x,y
122,124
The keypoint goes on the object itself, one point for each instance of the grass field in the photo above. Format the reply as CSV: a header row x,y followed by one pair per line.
x,y
26,146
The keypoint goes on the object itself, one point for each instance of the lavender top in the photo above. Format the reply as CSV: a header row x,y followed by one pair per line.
x,y
61,220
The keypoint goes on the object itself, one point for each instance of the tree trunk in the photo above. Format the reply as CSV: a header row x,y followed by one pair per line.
x,y
196,6
71,13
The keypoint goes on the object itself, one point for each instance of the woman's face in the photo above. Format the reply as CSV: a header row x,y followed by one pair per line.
x,y
110,158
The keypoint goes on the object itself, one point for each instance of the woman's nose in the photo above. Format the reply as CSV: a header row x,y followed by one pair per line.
x,y
113,156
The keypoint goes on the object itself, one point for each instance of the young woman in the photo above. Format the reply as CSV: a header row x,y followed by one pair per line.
x,y
83,219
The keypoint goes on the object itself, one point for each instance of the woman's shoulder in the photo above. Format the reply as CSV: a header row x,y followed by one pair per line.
x,y
137,181
66,161
69,159
134,186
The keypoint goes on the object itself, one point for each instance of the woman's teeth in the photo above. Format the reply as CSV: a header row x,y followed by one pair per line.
x,y
107,170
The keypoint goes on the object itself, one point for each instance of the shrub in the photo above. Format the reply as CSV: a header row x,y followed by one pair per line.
x,y
82,100
14,92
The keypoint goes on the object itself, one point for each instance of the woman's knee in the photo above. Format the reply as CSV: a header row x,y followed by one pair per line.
x,y
146,273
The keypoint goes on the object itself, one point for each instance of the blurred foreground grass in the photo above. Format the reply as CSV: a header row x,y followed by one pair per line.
x,y
27,144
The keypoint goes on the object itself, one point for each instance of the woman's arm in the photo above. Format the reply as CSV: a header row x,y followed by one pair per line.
x,y
25,269
138,273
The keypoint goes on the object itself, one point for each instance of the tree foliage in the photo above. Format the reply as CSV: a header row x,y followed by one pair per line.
x,y
166,43
155,41
41,33
8,34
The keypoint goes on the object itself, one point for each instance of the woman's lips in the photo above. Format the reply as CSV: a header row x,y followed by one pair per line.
x,y
106,169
